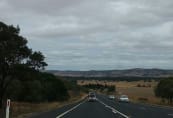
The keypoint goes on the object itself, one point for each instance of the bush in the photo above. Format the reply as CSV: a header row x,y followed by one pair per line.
x,y
32,91
45,87
164,89
55,90
139,85
14,90
111,88
143,99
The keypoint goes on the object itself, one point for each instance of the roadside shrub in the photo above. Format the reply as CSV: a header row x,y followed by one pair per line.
x,y
32,91
164,90
143,99
111,88
138,85
44,87
54,90
14,90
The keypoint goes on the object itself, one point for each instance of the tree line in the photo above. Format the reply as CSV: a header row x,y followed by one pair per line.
x,y
109,88
43,87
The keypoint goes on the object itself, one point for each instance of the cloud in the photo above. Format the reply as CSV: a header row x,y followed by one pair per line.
x,y
96,34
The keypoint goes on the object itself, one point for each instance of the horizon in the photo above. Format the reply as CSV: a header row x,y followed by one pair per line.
x,y
115,69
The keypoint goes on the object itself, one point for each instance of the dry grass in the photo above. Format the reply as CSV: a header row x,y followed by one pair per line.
x,y
136,94
22,110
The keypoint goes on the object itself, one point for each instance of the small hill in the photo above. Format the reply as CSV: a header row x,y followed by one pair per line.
x,y
137,72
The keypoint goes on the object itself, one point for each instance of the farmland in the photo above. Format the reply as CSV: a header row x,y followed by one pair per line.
x,y
138,91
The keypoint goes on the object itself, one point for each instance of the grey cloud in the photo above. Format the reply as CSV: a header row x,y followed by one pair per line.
x,y
96,34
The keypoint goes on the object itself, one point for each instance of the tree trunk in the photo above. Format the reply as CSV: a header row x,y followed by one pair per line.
x,y
1,100
3,87
1,96
0,103
2,109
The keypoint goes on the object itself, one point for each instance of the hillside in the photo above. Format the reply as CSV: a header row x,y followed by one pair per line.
x,y
116,73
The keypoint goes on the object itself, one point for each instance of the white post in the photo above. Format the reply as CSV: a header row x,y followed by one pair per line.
x,y
8,108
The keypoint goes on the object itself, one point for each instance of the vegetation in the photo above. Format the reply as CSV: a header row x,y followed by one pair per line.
x,y
143,85
44,87
20,78
110,88
164,89
136,94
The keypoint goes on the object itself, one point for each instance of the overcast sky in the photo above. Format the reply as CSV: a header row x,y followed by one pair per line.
x,y
96,34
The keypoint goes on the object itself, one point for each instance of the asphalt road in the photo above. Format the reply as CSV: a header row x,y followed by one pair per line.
x,y
105,108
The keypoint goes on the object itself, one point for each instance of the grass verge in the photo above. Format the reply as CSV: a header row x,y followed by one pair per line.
x,y
23,110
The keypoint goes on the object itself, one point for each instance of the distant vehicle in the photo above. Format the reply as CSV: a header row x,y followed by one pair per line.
x,y
111,97
124,98
92,97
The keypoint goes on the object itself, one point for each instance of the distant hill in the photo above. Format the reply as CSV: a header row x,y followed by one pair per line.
x,y
137,72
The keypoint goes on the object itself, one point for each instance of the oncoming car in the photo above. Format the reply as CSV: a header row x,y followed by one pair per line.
x,y
124,98
92,97
111,97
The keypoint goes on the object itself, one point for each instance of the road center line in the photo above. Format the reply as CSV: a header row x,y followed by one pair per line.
x,y
113,110
61,115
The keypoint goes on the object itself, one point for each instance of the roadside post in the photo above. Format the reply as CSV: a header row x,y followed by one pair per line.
x,y
8,108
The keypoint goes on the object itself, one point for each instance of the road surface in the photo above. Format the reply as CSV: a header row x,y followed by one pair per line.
x,y
105,108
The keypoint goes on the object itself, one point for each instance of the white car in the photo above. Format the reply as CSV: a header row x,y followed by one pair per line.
x,y
124,98
92,97
111,97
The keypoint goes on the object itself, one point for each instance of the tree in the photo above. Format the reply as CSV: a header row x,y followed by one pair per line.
x,y
164,89
32,91
37,60
41,87
13,53
54,88
111,88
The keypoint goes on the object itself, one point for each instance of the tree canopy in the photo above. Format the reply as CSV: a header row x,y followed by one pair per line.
x,y
164,89
15,53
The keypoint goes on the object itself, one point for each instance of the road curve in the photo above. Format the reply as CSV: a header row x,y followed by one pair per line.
x,y
105,108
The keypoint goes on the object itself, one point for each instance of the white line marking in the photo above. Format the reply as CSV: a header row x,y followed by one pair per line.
x,y
59,116
170,114
109,107
113,110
